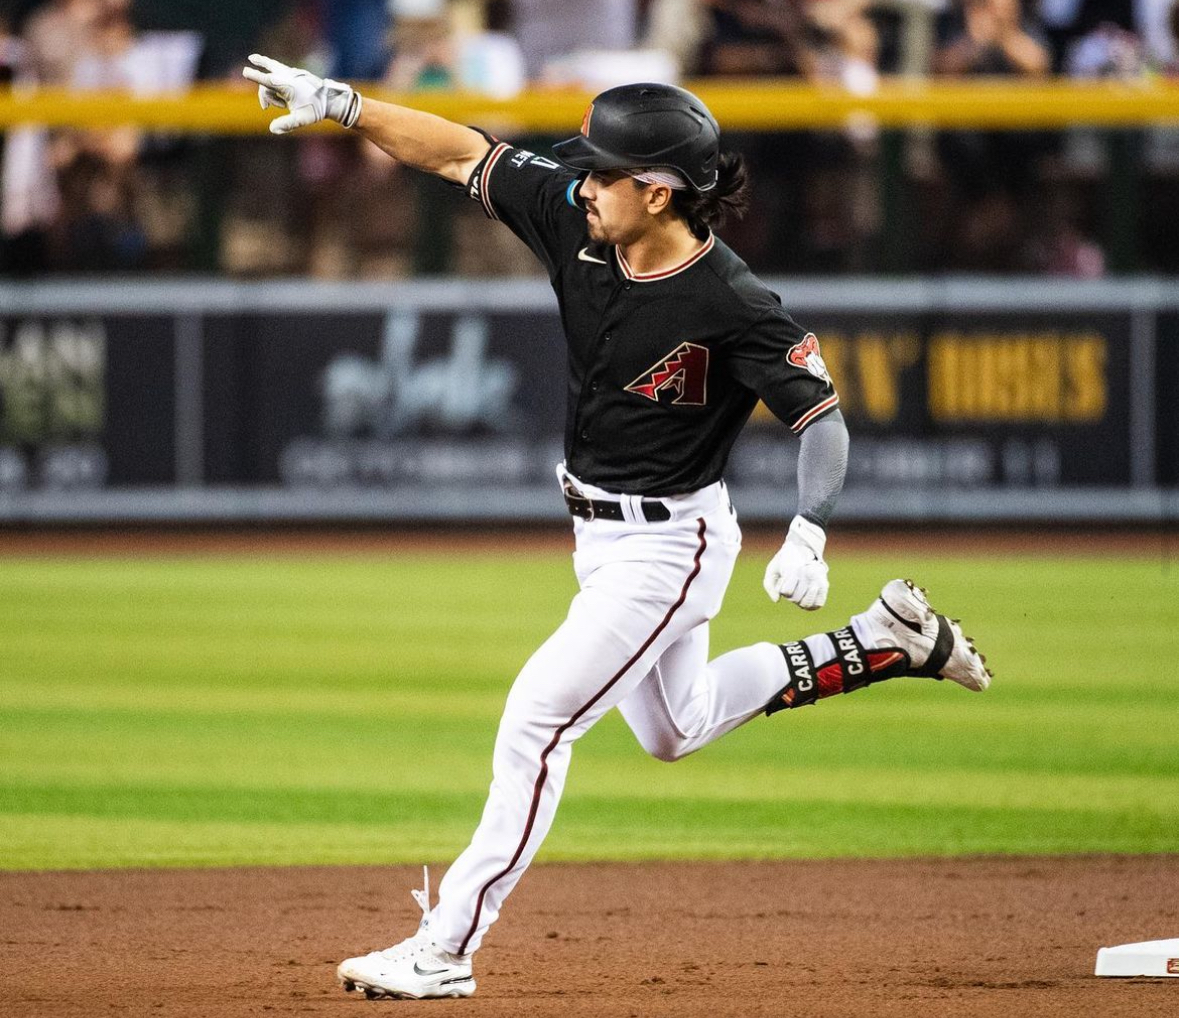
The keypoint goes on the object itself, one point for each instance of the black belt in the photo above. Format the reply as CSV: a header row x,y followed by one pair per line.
x,y
588,508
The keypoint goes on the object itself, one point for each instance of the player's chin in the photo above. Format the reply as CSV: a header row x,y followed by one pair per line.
x,y
596,232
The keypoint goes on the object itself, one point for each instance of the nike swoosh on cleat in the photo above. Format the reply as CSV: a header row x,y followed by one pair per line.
x,y
584,257
427,972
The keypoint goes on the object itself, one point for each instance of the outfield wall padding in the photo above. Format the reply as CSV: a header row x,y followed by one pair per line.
x,y
1014,400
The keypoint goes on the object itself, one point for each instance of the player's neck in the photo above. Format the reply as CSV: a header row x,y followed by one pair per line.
x,y
663,247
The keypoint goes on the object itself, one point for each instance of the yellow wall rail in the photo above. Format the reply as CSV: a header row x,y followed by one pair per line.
x,y
738,105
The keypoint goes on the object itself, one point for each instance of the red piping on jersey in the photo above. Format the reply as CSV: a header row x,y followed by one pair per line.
x,y
649,277
813,412
485,176
538,788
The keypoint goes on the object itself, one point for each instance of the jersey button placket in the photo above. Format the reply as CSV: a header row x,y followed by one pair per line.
x,y
593,386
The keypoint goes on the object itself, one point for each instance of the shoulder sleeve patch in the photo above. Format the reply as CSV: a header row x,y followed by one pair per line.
x,y
807,355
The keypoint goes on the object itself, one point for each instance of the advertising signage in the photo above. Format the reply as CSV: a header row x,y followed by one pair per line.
x,y
412,396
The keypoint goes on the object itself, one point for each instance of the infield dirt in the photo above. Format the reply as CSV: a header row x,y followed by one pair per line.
x,y
1008,938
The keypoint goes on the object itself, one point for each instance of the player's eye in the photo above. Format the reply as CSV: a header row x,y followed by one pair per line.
x,y
607,177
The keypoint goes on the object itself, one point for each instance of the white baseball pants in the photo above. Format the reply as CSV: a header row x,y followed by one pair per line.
x,y
636,638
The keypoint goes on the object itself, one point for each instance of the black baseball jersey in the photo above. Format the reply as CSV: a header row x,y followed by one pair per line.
x,y
664,368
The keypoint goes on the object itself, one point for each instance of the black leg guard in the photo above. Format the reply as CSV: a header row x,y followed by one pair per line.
x,y
852,669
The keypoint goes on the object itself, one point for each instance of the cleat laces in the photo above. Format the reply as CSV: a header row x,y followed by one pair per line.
x,y
420,941
422,897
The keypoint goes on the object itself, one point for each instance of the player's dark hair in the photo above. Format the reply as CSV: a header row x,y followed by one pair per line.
x,y
702,210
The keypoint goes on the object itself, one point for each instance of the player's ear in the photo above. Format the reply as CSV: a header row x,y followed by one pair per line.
x,y
658,198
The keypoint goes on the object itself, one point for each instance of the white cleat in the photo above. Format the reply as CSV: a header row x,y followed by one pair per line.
x,y
903,617
415,969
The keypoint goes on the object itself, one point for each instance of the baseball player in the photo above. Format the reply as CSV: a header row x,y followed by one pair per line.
x,y
671,343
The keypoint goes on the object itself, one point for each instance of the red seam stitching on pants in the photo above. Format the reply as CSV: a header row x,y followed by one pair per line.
x,y
538,788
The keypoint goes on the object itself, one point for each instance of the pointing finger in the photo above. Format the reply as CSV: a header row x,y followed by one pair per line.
x,y
258,77
267,63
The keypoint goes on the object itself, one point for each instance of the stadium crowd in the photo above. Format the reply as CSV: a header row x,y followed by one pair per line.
x,y
992,201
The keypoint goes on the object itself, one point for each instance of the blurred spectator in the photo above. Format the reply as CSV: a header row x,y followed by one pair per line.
x,y
55,36
28,203
358,37
97,169
990,172
489,58
426,54
1111,25
1109,51
58,35
93,200
12,52
677,28
820,187
822,40
230,28
116,199
992,37
1058,246
758,37
1172,65
548,30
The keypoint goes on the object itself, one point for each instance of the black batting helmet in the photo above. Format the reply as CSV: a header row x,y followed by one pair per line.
x,y
635,127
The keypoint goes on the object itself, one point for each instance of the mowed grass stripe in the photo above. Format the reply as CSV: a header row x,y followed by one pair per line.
x,y
618,828
374,798
928,733
191,712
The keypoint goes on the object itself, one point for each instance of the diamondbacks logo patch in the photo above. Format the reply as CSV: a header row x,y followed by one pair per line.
x,y
806,355
585,121
684,371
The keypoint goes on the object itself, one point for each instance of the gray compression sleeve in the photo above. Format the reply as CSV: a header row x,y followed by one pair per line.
x,y
822,464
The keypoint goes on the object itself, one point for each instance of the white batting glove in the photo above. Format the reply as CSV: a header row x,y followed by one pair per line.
x,y
798,572
310,99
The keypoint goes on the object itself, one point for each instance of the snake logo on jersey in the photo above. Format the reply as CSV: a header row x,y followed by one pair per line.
x,y
807,355
684,371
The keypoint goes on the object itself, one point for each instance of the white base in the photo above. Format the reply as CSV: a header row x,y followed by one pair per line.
x,y
1150,958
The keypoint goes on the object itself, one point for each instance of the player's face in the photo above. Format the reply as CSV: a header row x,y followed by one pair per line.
x,y
616,210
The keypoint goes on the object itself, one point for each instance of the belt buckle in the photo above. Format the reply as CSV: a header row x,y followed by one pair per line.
x,y
572,496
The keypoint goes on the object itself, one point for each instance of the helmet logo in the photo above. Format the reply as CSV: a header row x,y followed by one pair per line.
x,y
585,121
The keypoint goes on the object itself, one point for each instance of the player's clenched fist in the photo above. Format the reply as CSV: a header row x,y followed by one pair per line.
x,y
309,98
798,572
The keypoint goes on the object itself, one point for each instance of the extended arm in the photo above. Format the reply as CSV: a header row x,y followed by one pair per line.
x,y
417,139
423,140
798,572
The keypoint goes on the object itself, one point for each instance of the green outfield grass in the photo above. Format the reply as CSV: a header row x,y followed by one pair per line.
x,y
164,712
